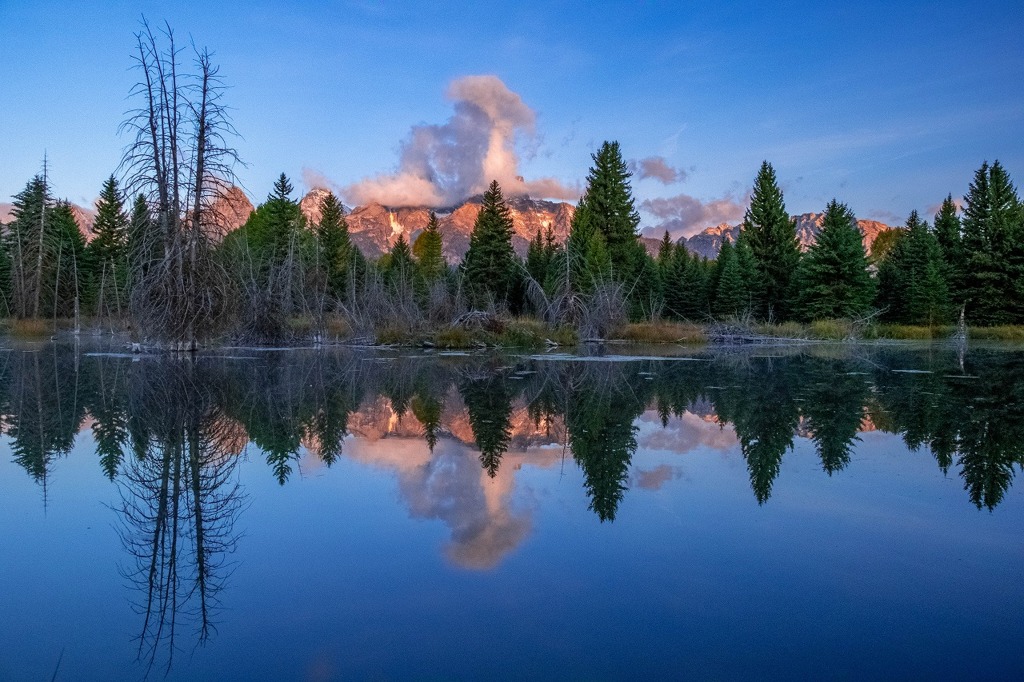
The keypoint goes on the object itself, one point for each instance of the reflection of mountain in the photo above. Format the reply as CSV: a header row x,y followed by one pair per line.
x,y
408,414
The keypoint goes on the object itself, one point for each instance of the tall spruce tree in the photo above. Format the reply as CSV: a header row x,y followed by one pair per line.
x,y
991,242
343,262
608,202
27,243
771,236
490,265
834,278
950,239
106,253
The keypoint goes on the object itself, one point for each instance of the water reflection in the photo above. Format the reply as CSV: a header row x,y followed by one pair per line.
x,y
285,404
179,502
456,430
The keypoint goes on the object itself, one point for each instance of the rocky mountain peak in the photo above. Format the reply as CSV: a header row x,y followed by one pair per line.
x,y
708,242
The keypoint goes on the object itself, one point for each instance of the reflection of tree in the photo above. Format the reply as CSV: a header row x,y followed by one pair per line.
x,y
107,405
975,420
762,409
601,410
179,502
833,405
43,406
488,399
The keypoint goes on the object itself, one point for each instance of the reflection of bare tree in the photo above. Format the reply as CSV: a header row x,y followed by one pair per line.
x,y
179,502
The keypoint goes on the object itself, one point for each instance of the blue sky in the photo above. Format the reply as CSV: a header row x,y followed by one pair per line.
x,y
886,107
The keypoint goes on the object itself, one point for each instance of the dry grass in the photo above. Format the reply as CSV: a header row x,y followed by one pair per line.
x,y
1006,332
30,329
906,332
662,331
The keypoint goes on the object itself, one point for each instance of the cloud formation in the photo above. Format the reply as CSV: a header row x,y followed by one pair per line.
x,y
444,164
684,215
658,168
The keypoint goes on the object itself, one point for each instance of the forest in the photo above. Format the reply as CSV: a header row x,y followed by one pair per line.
x,y
157,268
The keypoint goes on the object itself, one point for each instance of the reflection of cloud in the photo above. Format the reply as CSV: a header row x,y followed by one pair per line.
x,y
656,477
454,488
686,433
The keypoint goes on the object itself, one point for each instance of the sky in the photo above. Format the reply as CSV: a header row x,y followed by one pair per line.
x,y
888,107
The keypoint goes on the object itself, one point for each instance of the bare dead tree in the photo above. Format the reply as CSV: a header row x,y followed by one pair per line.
x,y
180,159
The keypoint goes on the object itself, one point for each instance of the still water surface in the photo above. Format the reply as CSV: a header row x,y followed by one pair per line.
x,y
827,513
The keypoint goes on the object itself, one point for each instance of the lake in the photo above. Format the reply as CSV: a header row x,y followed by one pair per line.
x,y
833,511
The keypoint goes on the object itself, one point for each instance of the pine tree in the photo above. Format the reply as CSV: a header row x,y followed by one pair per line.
x,y
771,235
834,278
645,297
950,239
731,293
63,270
26,242
401,268
342,260
911,280
537,259
428,249
666,254
490,264
674,283
142,247
107,252
608,202
272,225
991,242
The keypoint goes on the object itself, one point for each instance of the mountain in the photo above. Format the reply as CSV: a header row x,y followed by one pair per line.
x,y
375,228
808,225
83,216
228,212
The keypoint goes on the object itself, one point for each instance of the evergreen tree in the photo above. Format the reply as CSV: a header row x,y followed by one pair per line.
x,y
142,248
911,280
107,252
343,262
771,235
26,242
645,295
731,293
270,228
666,255
674,284
537,259
992,248
428,249
63,270
950,239
608,202
490,264
401,268
834,278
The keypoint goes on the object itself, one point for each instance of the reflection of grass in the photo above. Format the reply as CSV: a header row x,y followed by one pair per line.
x,y
662,331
